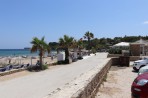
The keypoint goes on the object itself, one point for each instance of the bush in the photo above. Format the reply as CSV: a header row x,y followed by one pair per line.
x,y
45,67
80,58
115,51
64,62
34,68
37,68
55,63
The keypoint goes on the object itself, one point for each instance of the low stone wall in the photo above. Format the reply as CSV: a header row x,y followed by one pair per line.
x,y
114,55
115,61
90,90
134,58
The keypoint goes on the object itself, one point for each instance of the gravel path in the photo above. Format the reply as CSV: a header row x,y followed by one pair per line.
x,y
118,83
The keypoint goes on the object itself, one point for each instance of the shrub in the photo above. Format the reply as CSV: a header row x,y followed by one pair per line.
x,y
80,58
45,66
37,68
115,51
34,68
55,63
64,62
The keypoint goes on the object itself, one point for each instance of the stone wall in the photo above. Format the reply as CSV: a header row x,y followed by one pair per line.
x,y
90,90
115,61
135,49
115,58
134,58
114,55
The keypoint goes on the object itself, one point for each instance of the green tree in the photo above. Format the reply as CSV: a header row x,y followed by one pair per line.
x,y
80,44
88,35
41,46
65,43
53,45
95,43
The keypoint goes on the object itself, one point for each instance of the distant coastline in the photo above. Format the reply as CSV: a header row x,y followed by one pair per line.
x,y
27,48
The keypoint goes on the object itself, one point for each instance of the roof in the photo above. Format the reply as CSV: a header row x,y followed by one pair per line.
x,y
122,44
141,41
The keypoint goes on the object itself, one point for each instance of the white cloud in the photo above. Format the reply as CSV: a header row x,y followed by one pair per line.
x,y
145,22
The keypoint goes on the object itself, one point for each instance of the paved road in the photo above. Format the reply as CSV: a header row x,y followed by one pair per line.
x,y
40,84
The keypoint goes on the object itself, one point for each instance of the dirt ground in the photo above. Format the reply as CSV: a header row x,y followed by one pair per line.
x,y
118,83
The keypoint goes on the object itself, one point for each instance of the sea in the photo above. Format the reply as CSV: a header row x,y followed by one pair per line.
x,y
19,52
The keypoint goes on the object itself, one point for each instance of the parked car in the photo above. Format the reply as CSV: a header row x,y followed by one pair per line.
x,y
139,87
143,70
140,63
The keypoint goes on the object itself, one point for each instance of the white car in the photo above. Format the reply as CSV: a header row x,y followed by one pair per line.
x,y
143,70
140,63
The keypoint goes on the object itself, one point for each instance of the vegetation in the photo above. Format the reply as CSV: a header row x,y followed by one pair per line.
x,y
80,44
41,46
53,45
65,43
115,51
102,43
88,35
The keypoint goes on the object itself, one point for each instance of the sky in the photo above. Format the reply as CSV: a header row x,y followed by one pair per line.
x,y
21,20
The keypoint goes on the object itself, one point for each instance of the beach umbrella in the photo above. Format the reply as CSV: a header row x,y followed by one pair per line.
x,y
19,58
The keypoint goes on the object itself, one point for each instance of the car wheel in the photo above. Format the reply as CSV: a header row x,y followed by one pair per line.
x,y
135,69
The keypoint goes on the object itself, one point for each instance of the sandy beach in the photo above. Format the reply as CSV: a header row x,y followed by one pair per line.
x,y
27,60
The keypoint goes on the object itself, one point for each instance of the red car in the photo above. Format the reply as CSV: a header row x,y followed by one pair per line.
x,y
139,87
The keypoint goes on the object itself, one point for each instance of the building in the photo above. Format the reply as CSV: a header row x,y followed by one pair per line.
x,y
122,45
139,48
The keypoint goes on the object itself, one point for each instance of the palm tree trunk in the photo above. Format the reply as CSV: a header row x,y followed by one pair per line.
x,y
41,60
88,46
66,56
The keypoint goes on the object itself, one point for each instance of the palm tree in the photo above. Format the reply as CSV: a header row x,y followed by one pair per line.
x,y
80,45
41,46
88,35
65,43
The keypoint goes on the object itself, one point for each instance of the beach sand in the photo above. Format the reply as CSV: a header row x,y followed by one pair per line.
x,y
14,75
47,60
20,60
